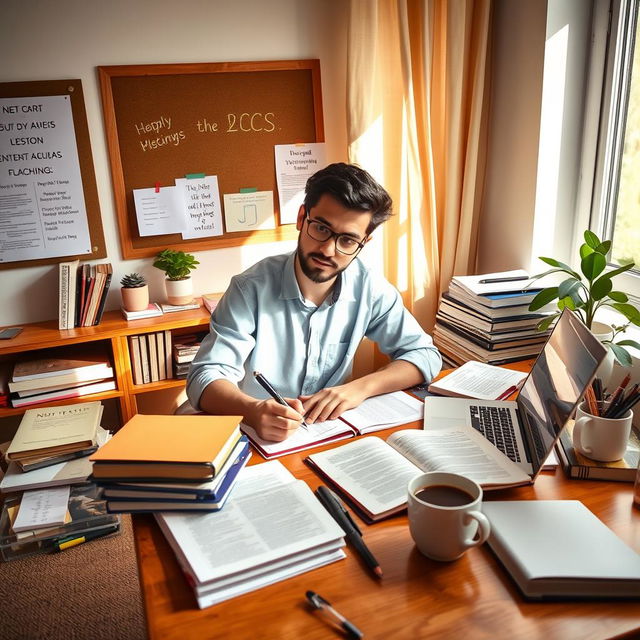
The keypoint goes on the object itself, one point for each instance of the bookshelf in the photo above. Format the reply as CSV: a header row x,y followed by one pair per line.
x,y
111,335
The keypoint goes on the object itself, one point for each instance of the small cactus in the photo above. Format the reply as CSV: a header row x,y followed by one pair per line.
x,y
133,281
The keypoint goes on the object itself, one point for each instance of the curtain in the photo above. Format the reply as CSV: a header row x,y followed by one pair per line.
x,y
417,102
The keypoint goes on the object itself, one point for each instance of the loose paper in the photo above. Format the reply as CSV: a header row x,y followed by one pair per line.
x,y
42,508
159,213
295,163
42,207
249,211
201,198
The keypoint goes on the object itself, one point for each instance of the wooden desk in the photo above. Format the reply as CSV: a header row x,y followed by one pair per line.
x,y
417,598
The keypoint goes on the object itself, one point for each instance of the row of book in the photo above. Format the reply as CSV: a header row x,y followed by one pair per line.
x,y
185,348
489,321
171,463
84,371
50,504
151,359
82,293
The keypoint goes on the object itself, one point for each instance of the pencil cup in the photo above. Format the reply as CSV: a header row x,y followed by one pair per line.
x,y
601,439
444,515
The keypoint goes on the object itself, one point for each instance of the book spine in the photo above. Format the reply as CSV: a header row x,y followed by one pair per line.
x,y
144,359
153,356
63,288
91,284
162,363
79,295
168,338
103,297
135,357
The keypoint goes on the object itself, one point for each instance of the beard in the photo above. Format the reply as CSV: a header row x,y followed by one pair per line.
x,y
316,274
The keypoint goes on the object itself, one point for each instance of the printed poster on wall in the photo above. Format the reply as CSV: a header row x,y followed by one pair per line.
x,y
42,207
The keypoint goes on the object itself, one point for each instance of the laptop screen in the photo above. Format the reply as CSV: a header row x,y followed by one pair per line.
x,y
557,381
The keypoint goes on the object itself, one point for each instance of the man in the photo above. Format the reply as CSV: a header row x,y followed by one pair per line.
x,y
298,319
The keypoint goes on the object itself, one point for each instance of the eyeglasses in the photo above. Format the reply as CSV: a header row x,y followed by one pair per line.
x,y
345,243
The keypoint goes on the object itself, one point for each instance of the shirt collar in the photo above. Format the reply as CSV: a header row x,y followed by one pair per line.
x,y
342,291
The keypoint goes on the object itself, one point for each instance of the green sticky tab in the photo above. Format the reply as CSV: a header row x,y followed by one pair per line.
x,y
194,176
248,189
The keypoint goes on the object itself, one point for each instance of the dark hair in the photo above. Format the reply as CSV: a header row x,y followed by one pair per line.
x,y
353,187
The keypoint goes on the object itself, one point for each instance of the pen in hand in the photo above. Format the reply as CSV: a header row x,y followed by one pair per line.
x,y
318,602
266,385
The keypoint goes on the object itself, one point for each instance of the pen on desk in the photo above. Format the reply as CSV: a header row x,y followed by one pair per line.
x,y
266,385
337,511
321,604
496,280
74,540
512,389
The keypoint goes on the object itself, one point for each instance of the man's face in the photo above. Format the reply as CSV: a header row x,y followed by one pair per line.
x,y
320,261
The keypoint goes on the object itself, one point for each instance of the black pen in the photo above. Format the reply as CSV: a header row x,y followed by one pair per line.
x,y
510,279
74,540
333,505
266,385
324,605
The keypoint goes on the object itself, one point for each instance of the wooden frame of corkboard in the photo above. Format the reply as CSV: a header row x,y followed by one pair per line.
x,y
170,120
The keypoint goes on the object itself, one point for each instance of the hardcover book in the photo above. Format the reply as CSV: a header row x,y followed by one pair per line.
x,y
576,465
155,448
84,368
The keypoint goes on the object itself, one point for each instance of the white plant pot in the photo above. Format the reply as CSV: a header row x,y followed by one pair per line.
x,y
602,332
179,291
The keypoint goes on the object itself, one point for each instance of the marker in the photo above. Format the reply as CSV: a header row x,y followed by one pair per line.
x,y
321,604
510,279
266,385
73,541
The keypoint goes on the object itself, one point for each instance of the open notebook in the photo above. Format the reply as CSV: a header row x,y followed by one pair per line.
x,y
376,413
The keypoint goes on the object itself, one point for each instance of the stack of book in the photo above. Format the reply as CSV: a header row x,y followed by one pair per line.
x,y
171,463
486,318
153,309
82,293
184,351
150,355
47,379
273,529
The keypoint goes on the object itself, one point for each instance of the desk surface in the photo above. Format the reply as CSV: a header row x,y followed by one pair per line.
x,y
416,598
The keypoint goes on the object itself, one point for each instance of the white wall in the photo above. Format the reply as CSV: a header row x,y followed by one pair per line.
x,y
64,39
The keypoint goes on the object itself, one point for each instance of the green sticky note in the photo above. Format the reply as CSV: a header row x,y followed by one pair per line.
x,y
194,176
248,189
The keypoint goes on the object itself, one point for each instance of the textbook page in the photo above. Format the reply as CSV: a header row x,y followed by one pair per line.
x,y
248,532
384,411
370,472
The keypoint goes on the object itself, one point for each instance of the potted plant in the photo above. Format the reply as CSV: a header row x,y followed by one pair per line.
x,y
134,292
177,266
586,296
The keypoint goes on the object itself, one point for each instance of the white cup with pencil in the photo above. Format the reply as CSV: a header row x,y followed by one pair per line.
x,y
603,424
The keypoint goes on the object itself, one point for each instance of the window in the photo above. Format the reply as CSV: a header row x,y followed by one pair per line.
x,y
615,195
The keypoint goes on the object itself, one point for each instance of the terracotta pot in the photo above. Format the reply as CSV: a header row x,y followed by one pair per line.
x,y
135,298
179,291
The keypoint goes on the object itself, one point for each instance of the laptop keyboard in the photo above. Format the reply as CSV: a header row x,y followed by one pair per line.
x,y
495,424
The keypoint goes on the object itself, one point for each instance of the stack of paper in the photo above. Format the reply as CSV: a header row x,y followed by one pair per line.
x,y
487,318
171,463
273,529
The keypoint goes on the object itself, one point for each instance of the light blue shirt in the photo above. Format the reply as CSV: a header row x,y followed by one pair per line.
x,y
263,323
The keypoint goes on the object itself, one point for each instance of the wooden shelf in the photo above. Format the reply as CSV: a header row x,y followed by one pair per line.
x,y
114,331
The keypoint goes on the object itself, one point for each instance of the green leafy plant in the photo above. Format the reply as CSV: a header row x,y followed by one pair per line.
x,y
586,296
133,281
177,265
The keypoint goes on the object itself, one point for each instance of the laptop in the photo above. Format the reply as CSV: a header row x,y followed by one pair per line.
x,y
525,430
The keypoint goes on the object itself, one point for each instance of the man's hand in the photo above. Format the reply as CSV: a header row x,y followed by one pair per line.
x,y
272,420
332,402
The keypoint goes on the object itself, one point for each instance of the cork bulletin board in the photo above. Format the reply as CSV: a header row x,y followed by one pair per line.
x,y
167,121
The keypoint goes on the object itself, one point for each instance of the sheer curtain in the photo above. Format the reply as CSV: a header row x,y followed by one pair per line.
x,y
417,101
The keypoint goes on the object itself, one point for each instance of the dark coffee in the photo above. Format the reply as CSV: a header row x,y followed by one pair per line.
x,y
444,496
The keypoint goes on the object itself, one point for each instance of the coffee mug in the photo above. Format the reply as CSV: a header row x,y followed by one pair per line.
x,y
444,515
601,439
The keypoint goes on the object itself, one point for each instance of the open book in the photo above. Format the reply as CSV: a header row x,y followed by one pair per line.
x,y
376,413
272,528
479,380
374,474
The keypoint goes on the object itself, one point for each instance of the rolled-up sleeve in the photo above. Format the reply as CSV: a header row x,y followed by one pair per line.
x,y
399,335
227,346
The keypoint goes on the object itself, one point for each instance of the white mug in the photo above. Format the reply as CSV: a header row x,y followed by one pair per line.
x,y
444,517
601,439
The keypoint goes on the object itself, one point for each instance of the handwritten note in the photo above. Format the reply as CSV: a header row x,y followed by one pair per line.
x,y
159,213
201,198
42,508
